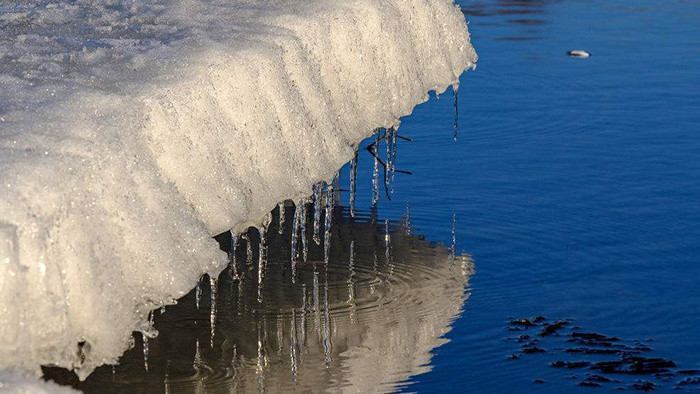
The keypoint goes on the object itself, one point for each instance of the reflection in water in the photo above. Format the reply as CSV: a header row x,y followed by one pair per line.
x,y
524,13
366,321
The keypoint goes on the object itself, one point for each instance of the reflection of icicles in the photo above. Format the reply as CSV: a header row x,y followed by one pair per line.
x,y
317,307
260,363
329,218
387,240
327,343
212,311
407,220
387,244
295,229
293,345
280,335
198,293
162,310
304,307
351,281
232,256
316,292
453,250
197,363
166,379
304,240
353,184
262,261
455,89
280,208
318,190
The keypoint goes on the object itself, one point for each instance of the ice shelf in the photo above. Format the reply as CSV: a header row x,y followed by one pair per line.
x,y
132,131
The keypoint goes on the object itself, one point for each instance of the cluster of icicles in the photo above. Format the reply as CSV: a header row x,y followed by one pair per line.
x,y
324,198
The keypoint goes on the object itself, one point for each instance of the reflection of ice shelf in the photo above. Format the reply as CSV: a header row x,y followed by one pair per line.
x,y
131,133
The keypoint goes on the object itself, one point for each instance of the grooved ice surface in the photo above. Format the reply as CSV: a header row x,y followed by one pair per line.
x,y
131,131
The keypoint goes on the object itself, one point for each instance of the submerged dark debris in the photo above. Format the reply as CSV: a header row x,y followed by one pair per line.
x,y
604,355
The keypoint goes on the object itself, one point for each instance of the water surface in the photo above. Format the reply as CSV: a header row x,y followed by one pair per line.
x,y
364,322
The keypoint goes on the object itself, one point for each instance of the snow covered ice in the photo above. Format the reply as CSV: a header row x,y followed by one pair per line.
x,y
131,132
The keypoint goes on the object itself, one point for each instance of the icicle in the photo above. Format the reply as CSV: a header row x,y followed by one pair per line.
x,y
375,173
248,251
455,89
327,229
145,351
353,184
212,311
295,228
304,238
388,174
392,168
114,372
453,250
262,261
232,256
144,335
336,189
198,293
281,210
318,189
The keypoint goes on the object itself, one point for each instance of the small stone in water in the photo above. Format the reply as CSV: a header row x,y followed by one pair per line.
x,y
578,53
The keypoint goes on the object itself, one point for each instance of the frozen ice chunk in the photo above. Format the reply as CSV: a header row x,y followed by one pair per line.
x,y
132,131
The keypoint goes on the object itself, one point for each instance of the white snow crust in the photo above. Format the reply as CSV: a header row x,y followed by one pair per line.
x,y
22,382
132,131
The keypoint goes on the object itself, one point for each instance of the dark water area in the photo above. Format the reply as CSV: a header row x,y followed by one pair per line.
x,y
575,186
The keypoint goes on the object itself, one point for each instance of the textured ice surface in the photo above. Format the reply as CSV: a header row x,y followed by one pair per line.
x,y
132,131
20,382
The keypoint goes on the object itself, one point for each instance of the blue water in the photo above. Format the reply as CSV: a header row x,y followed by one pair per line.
x,y
575,183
